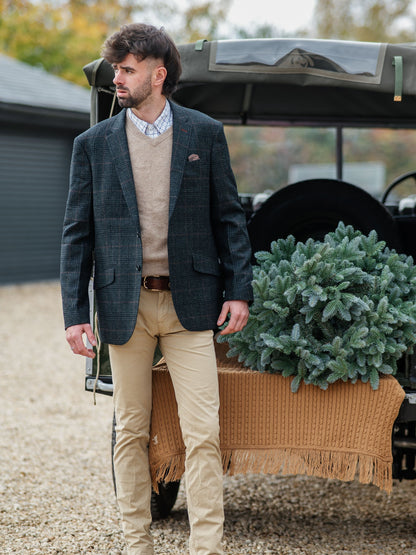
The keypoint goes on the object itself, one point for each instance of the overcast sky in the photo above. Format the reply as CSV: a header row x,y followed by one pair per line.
x,y
285,15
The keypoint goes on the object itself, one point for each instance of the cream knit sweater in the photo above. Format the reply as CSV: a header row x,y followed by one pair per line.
x,y
150,160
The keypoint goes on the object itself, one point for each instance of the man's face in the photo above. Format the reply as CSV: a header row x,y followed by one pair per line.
x,y
133,81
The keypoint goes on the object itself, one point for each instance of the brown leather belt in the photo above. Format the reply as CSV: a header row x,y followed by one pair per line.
x,y
156,283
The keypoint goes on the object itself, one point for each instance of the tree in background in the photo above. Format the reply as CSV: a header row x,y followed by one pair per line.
x,y
366,20
265,31
63,35
268,167
60,36
202,20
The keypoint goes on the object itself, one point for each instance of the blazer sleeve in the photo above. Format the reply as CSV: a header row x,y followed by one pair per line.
x,y
77,239
229,224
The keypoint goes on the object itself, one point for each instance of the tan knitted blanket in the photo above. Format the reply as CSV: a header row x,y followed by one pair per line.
x,y
343,432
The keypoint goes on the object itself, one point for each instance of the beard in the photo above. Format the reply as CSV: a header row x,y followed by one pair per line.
x,y
137,97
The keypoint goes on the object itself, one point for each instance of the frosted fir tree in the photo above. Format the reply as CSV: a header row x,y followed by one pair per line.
x,y
339,309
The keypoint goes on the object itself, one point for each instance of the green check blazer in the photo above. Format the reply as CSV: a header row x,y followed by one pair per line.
x,y
208,246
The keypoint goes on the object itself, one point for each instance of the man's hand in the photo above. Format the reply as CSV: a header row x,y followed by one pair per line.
x,y
239,313
74,337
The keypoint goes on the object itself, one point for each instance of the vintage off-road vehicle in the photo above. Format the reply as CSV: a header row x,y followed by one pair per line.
x,y
300,83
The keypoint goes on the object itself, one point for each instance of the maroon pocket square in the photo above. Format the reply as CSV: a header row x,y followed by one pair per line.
x,y
193,157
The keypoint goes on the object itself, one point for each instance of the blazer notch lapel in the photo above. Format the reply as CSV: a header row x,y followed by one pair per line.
x,y
118,145
182,132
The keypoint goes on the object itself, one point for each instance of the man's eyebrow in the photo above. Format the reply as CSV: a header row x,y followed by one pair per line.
x,y
123,67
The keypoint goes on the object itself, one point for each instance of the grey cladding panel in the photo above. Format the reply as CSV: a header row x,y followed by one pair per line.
x,y
34,171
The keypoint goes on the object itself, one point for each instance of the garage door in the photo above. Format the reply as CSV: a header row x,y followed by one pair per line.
x,y
34,171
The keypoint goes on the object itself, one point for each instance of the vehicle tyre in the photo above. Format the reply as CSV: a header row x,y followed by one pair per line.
x,y
314,207
161,503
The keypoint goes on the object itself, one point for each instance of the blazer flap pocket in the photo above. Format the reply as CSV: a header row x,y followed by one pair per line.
x,y
103,278
206,265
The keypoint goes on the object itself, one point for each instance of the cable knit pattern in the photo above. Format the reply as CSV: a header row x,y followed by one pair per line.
x,y
343,432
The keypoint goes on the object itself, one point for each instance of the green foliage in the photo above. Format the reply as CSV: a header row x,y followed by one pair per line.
x,y
202,20
365,20
62,36
339,309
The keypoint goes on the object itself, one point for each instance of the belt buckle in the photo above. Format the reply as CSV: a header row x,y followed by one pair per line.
x,y
150,288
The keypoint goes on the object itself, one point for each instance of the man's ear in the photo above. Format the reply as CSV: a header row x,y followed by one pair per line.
x,y
159,76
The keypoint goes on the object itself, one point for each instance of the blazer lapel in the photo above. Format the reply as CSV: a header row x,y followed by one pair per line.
x,y
118,145
180,147
117,142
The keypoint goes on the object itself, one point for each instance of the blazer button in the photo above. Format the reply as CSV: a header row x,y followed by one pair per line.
x,y
138,268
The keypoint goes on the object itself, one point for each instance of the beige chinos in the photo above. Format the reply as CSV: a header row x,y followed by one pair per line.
x,y
191,360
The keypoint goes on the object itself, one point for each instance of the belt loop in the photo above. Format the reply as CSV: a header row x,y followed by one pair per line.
x,y
144,280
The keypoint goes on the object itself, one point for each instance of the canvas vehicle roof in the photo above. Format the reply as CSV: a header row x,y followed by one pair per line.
x,y
294,81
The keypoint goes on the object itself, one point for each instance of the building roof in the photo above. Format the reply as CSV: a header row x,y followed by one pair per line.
x,y
25,85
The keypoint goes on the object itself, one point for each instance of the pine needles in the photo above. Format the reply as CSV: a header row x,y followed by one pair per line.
x,y
339,309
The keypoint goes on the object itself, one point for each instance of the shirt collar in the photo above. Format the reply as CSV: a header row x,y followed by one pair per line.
x,y
162,124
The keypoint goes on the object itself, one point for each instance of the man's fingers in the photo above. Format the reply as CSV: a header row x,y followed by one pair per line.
x,y
234,325
74,337
83,351
238,316
223,314
91,336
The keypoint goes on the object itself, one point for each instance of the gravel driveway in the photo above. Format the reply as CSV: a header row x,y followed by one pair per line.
x,y
56,493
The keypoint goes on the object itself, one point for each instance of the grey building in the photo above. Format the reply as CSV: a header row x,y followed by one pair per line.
x,y
40,115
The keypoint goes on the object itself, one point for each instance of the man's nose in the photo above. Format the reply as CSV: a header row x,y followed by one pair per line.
x,y
117,79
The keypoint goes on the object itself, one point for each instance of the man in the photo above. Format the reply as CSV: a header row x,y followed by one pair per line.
x,y
153,201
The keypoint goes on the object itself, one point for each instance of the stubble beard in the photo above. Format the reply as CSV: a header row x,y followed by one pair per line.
x,y
139,95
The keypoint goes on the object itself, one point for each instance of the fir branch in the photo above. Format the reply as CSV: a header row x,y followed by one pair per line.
x,y
339,309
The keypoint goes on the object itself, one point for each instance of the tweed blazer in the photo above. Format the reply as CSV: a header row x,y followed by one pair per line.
x,y
208,246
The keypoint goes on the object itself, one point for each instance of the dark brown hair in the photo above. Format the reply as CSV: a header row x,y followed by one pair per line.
x,y
145,41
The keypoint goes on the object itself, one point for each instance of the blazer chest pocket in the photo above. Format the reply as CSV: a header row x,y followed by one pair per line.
x,y
195,168
103,278
206,265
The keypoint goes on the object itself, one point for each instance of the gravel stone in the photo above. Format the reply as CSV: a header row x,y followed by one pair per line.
x,y
56,492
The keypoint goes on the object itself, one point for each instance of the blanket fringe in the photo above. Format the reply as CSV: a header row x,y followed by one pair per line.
x,y
170,470
342,433
321,463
